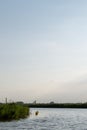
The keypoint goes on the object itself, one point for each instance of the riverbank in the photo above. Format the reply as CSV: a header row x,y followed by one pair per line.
x,y
13,111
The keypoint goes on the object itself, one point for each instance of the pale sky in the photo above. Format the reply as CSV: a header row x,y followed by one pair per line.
x,y
43,50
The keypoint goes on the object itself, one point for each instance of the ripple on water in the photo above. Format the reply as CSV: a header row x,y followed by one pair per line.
x,y
50,119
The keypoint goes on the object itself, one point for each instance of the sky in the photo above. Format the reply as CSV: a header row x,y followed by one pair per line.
x,y
43,50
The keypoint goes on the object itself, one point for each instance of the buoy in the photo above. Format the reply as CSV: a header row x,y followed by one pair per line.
x,y
36,113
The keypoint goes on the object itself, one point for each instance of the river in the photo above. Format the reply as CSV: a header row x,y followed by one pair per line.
x,y
50,119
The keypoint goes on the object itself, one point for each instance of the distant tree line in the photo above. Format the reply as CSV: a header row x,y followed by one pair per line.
x,y
57,105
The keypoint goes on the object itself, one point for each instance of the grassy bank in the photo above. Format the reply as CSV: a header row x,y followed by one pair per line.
x,y
13,111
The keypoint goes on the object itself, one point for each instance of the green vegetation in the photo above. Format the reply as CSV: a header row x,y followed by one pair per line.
x,y
13,111
58,105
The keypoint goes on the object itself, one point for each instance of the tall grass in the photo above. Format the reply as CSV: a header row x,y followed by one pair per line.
x,y
13,112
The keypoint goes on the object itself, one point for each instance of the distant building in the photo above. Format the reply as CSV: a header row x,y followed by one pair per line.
x,y
6,100
52,102
20,102
34,102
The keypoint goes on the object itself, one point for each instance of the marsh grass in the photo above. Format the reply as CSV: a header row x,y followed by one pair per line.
x,y
13,111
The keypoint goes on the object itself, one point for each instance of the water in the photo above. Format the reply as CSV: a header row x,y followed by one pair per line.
x,y
50,119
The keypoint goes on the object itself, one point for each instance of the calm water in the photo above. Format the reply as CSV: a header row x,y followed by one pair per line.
x,y
50,119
